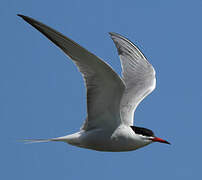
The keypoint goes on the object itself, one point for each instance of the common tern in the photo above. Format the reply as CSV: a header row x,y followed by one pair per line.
x,y
111,99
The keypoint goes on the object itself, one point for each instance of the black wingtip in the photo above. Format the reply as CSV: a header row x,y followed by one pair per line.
x,y
29,20
20,15
112,34
26,18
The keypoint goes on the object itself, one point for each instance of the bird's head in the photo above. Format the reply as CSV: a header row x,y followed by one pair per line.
x,y
148,135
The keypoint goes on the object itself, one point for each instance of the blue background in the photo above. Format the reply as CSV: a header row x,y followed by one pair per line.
x,y
42,94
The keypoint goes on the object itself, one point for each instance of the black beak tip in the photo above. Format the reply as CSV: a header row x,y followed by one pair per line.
x,y
167,142
157,139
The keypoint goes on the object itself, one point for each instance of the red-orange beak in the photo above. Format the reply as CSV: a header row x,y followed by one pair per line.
x,y
156,139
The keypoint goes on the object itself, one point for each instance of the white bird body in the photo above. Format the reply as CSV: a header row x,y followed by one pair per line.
x,y
122,138
111,100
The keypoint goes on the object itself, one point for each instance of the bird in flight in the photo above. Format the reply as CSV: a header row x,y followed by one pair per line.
x,y
111,100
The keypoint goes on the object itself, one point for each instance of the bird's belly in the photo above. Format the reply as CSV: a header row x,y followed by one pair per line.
x,y
105,141
112,147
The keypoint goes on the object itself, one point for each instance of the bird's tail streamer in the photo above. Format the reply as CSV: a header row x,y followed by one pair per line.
x,y
29,141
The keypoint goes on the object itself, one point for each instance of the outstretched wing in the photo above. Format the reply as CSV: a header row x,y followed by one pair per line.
x,y
138,75
104,86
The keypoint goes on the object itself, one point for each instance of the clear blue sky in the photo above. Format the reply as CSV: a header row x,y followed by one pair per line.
x,y
42,94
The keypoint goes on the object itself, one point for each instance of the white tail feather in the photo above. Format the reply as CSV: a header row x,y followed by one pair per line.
x,y
71,139
29,141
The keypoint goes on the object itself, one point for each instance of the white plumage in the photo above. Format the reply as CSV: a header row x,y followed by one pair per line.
x,y
111,100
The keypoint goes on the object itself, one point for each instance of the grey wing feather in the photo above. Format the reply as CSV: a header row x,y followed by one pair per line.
x,y
138,75
104,86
